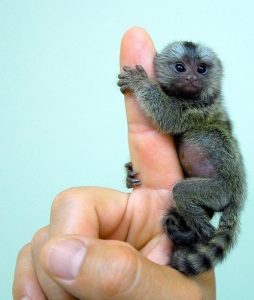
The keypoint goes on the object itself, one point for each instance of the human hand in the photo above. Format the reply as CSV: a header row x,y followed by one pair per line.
x,y
120,233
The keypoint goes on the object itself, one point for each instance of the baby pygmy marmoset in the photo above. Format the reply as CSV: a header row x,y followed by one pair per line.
x,y
185,100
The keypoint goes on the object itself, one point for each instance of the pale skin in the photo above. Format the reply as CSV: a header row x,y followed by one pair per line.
x,y
121,233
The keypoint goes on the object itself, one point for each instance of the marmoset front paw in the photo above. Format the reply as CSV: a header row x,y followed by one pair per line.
x,y
131,78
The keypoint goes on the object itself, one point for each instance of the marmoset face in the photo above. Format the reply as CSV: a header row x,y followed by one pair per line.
x,y
189,71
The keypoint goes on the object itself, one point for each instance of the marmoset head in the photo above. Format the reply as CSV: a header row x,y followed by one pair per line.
x,y
189,71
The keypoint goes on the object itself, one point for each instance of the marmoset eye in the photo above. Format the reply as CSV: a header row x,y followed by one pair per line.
x,y
202,68
180,68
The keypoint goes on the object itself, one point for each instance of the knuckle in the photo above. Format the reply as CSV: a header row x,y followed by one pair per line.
x,y
24,251
120,272
66,197
39,237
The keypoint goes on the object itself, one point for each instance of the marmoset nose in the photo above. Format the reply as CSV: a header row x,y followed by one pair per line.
x,y
191,78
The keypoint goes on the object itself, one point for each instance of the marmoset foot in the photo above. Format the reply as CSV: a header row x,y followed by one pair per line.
x,y
131,179
177,230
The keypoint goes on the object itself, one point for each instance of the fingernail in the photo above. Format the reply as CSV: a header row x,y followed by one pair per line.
x,y
65,257
25,298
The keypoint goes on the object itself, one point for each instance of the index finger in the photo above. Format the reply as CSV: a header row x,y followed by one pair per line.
x,y
153,154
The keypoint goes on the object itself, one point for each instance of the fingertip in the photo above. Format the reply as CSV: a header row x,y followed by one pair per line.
x,y
136,33
25,283
137,48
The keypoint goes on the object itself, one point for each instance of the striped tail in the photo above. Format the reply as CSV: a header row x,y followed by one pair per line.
x,y
204,256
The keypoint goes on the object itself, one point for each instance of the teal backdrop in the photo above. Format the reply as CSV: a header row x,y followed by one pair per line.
x,y
62,118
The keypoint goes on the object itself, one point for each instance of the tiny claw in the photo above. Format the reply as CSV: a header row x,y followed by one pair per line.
x,y
139,68
123,89
120,82
131,182
129,165
126,68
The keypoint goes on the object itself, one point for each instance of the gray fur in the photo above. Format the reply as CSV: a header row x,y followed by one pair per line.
x,y
208,152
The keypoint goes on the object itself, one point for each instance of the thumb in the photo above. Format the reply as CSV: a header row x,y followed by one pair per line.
x,y
98,269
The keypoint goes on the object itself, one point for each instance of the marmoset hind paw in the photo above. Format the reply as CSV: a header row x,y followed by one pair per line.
x,y
131,180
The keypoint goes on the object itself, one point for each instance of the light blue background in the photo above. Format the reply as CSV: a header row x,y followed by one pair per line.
x,y
62,118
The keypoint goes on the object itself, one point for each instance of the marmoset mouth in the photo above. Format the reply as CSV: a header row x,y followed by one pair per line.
x,y
191,88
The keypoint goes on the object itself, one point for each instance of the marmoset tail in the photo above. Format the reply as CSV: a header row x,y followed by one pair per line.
x,y
185,100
